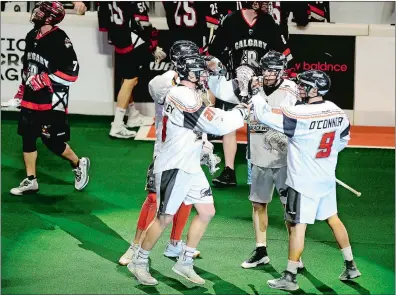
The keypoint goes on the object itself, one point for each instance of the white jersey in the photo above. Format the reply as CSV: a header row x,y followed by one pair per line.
x,y
317,133
185,118
223,89
159,86
262,155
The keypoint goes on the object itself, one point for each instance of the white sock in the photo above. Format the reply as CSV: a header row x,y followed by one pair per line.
x,y
131,110
188,253
119,117
135,246
261,245
143,255
292,266
347,253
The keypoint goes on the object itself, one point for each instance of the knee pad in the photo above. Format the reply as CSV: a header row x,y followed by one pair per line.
x,y
55,146
29,144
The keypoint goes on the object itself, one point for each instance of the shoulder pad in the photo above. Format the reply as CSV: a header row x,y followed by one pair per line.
x,y
185,99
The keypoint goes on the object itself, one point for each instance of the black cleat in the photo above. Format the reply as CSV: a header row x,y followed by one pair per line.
x,y
259,256
226,179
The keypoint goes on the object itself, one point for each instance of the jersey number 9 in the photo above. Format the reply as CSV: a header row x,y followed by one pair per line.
x,y
325,145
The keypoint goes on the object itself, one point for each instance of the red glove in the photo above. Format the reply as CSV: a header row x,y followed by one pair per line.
x,y
21,91
39,81
153,39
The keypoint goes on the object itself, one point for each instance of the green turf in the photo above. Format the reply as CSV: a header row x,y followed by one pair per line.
x,y
66,242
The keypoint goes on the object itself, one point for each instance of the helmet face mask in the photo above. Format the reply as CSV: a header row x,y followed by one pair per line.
x,y
313,84
272,65
47,13
193,68
180,48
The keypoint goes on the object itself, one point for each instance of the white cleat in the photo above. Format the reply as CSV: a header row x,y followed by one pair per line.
x,y
121,132
138,120
81,174
186,270
141,272
175,251
128,256
27,186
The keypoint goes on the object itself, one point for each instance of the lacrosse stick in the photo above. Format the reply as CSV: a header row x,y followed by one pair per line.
x,y
358,194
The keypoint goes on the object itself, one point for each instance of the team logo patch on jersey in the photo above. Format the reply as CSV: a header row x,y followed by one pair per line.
x,y
250,32
68,43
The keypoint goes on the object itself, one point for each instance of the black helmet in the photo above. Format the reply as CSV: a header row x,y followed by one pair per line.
x,y
182,47
273,63
190,67
314,79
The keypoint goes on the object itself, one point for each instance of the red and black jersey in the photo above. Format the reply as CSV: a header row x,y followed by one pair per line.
x,y
319,11
189,20
119,19
280,11
50,53
238,42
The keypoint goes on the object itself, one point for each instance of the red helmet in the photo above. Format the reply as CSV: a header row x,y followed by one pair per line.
x,y
47,13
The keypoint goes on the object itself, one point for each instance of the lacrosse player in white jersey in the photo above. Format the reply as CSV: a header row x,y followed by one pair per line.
x,y
179,177
317,131
268,151
159,86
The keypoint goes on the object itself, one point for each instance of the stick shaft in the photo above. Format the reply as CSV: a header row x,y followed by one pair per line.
x,y
348,187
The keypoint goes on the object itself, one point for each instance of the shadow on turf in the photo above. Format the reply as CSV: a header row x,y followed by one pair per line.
x,y
357,287
220,286
171,282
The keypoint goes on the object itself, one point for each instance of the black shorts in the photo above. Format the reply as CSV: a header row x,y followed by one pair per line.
x,y
131,64
46,124
226,106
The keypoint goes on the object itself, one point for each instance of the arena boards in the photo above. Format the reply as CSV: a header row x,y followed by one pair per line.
x,y
361,136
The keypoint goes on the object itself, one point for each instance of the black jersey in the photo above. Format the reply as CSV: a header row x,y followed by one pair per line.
x,y
319,11
118,18
280,11
246,43
50,53
191,20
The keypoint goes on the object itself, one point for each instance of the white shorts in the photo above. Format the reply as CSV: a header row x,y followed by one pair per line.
x,y
263,182
175,187
304,209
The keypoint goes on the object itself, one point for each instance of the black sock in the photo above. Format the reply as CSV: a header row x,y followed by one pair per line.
x,y
31,177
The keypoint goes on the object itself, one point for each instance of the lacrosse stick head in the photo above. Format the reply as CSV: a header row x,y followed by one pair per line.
x,y
275,140
244,76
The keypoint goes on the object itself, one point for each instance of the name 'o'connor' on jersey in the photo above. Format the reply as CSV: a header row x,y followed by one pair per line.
x,y
317,133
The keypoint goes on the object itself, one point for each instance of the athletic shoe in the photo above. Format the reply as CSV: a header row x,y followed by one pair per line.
x,y
286,282
128,255
141,272
186,270
226,179
81,174
300,264
259,256
172,251
350,272
137,120
121,132
27,186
